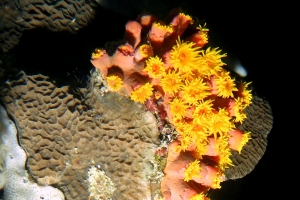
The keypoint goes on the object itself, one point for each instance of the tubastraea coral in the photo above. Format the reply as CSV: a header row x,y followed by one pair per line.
x,y
14,177
167,67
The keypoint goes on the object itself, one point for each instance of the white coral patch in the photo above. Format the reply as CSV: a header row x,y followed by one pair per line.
x,y
100,185
17,185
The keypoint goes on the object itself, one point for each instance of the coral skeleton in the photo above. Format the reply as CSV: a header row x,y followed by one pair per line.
x,y
168,67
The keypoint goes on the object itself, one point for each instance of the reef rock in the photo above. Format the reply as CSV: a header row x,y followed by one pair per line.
x,y
64,136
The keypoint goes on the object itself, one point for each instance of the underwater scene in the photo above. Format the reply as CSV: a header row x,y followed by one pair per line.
x,y
133,100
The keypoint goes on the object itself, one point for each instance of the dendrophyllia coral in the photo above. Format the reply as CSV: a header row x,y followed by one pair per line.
x,y
168,67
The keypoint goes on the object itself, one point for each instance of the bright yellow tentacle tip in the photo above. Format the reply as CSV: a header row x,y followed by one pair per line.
x,y
217,180
246,94
246,137
185,57
143,52
203,31
142,93
187,18
203,108
213,59
225,85
225,152
193,170
146,50
178,108
194,91
162,27
171,82
114,83
220,123
200,196
97,53
155,67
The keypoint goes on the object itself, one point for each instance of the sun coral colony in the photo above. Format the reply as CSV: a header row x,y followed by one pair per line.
x,y
201,99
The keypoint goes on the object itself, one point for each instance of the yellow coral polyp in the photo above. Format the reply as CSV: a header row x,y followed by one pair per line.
x,y
200,196
216,182
238,110
240,117
97,53
155,67
203,108
203,31
245,93
193,170
185,142
178,108
146,51
171,82
225,152
212,58
185,57
246,137
220,123
225,85
114,83
194,91
143,93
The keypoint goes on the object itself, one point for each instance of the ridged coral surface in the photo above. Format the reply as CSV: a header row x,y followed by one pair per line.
x,y
18,184
17,16
259,122
63,137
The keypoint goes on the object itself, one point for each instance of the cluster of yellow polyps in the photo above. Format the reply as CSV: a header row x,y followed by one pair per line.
x,y
204,101
200,97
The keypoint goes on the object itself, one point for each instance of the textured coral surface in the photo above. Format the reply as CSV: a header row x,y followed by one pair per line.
x,y
18,184
63,137
17,16
259,122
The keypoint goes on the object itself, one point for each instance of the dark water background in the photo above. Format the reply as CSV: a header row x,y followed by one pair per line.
x,y
244,31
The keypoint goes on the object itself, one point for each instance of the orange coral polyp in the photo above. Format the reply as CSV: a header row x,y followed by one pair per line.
x,y
180,23
220,123
171,82
203,108
178,108
192,171
194,91
143,93
184,57
143,52
238,139
155,67
244,93
133,33
225,85
97,53
114,83
126,50
212,58
158,33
